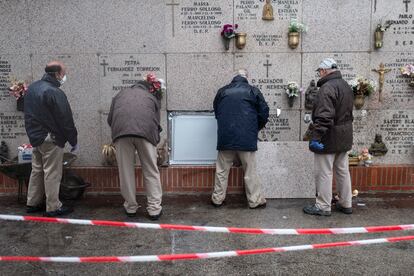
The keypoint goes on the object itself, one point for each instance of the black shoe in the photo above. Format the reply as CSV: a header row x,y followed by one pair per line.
x,y
131,215
344,210
155,217
64,210
217,205
313,210
260,206
35,209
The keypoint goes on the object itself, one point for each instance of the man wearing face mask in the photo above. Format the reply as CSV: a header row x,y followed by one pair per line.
x,y
49,125
331,138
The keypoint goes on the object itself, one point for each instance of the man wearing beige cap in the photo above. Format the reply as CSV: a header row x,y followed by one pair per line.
x,y
331,138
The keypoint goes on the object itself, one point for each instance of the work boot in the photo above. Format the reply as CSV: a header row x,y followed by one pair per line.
x,y
344,210
35,209
64,210
313,210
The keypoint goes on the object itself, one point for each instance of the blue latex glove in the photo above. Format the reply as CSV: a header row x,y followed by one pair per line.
x,y
75,148
316,145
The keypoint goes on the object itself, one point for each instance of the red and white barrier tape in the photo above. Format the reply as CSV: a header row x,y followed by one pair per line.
x,y
193,256
349,230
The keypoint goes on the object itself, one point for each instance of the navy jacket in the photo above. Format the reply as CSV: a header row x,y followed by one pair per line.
x,y
47,110
241,111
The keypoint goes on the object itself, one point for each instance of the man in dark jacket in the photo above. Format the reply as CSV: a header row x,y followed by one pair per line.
x,y
49,125
134,119
241,111
331,139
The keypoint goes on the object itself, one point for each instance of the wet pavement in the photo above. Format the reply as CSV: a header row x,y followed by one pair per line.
x,y
42,239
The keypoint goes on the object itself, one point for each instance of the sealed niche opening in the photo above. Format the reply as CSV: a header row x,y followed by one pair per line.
x,y
193,138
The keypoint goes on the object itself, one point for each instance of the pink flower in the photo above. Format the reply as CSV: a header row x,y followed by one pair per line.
x,y
151,78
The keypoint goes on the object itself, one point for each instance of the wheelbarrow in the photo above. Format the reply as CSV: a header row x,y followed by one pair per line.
x,y
71,186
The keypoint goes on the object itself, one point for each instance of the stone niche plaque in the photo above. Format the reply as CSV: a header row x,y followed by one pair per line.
x,y
82,85
118,71
14,31
271,73
136,26
266,35
286,170
89,126
286,127
195,26
396,128
194,79
400,35
12,66
81,32
335,25
12,131
396,92
351,65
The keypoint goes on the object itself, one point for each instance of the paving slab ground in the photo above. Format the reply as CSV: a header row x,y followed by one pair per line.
x,y
41,239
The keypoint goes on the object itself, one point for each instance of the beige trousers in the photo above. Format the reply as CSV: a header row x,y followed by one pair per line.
x,y
46,176
325,165
252,184
125,156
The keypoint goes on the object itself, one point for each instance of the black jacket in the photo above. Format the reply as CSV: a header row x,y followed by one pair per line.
x,y
241,111
332,114
47,110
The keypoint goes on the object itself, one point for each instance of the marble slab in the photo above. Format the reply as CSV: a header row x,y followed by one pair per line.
x,y
61,26
82,85
286,170
271,73
336,25
12,66
12,131
193,79
400,35
396,91
195,26
118,71
15,25
266,35
286,127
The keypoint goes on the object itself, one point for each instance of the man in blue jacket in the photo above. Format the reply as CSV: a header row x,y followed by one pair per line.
x,y
241,111
49,125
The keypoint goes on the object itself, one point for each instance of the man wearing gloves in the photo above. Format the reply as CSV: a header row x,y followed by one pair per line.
x,y
49,125
331,138
241,112
134,119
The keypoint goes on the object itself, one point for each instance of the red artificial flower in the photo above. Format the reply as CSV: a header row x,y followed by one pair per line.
x,y
156,85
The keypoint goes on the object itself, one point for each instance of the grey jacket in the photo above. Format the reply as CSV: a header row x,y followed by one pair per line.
x,y
332,114
135,112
